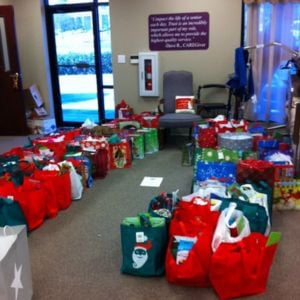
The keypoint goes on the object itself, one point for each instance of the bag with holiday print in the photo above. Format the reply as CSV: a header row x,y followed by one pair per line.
x,y
119,155
144,242
15,272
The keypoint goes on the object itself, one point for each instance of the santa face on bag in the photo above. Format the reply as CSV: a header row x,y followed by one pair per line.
x,y
140,254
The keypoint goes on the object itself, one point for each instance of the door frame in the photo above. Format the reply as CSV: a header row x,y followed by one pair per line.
x,y
16,96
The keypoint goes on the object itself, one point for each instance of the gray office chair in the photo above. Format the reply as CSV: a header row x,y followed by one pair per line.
x,y
175,83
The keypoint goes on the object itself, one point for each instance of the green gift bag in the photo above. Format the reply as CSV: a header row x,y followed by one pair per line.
x,y
144,243
255,213
11,213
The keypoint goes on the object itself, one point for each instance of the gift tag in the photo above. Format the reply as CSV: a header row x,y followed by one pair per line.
x,y
140,237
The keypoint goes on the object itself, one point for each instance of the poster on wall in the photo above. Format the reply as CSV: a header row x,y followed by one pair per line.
x,y
182,31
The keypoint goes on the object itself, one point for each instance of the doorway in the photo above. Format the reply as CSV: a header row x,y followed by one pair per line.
x,y
12,106
81,61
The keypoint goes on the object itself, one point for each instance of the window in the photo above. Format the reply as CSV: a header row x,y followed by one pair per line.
x,y
277,28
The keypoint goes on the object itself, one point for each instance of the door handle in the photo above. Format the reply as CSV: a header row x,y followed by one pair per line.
x,y
15,80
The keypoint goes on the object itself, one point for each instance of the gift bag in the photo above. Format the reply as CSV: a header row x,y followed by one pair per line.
x,y
189,253
119,155
32,198
232,227
242,268
138,146
15,272
163,205
255,213
144,242
11,213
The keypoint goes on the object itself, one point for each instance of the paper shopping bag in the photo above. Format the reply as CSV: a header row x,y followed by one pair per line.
x,y
15,272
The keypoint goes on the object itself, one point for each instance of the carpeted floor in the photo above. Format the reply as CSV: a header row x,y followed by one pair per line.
x,y
77,255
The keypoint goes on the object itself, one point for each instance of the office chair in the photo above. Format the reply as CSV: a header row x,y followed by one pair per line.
x,y
210,108
176,83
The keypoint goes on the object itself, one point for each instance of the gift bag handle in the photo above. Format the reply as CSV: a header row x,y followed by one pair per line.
x,y
248,190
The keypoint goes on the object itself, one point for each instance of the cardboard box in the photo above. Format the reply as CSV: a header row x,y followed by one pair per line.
x,y
41,125
33,98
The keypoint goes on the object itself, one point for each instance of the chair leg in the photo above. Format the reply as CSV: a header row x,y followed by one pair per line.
x,y
161,138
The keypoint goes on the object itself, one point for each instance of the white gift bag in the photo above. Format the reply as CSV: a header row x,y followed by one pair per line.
x,y
15,272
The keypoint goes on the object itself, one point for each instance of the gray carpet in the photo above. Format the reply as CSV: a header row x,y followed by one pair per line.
x,y
77,255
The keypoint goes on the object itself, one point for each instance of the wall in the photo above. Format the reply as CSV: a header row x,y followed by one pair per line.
x,y
32,47
129,24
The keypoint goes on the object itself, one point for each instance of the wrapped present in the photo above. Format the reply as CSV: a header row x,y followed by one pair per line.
x,y
286,195
223,171
207,138
225,126
255,170
235,141
221,154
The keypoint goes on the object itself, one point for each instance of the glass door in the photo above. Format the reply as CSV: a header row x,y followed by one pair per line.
x,y
81,63
74,40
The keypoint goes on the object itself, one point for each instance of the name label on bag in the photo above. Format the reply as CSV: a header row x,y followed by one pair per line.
x,y
140,237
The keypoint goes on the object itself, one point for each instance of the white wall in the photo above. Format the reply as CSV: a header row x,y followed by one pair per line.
x,y
129,23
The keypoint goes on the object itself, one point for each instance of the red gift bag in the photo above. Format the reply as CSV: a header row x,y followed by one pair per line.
x,y
58,147
194,214
207,138
60,183
52,206
31,196
194,270
255,170
242,268
99,162
193,220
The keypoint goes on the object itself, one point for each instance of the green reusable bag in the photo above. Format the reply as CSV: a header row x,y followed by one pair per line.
x,y
11,213
255,213
264,188
144,243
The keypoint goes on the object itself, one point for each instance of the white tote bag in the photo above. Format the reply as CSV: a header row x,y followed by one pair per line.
x,y
15,272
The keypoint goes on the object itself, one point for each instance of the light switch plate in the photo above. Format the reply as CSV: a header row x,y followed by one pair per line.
x,y
121,59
